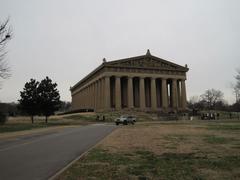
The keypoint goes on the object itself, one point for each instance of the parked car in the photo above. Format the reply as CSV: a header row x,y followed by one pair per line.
x,y
125,119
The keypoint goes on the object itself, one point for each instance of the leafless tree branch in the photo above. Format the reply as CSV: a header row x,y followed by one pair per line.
x,y
211,97
5,36
236,86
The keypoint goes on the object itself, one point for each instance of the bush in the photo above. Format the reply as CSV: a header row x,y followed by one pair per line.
x,y
3,118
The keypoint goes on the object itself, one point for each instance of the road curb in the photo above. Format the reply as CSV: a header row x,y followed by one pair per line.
x,y
78,158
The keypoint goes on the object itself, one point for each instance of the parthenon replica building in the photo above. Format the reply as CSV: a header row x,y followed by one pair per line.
x,y
141,83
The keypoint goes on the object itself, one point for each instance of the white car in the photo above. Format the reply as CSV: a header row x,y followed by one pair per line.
x,y
125,119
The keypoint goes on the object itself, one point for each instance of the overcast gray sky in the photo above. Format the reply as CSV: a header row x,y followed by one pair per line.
x,y
66,39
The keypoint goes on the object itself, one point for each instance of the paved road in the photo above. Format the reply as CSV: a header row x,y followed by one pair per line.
x,y
39,156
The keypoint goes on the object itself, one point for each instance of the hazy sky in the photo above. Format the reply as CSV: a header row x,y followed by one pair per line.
x,y
66,39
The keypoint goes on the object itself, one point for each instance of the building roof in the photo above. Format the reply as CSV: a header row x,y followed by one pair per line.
x,y
144,61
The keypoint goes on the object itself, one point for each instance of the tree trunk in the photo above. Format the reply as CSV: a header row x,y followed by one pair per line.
x,y
46,119
32,119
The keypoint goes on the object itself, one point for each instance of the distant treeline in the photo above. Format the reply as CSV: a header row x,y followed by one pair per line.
x,y
12,109
219,106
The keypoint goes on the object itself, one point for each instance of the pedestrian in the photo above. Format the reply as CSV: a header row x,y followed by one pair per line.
x,y
97,118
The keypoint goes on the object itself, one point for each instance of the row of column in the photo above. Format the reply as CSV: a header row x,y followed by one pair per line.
x,y
97,95
176,95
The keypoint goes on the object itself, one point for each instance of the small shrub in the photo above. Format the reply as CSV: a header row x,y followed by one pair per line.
x,y
3,118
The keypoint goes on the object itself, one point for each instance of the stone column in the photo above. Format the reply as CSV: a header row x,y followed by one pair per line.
x,y
153,94
183,95
103,93
100,94
118,103
92,97
178,94
82,98
80,102
174,93
142,93
107,104
130,92
84,95
95,96
91,87
164,94
89,97
83,105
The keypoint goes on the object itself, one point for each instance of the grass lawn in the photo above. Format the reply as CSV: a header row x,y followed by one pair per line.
x,y
164,150
24,123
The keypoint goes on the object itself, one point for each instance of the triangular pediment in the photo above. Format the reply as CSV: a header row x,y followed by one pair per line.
x,y
147,62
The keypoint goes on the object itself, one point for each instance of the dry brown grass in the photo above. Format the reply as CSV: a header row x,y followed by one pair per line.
x,y
164,150
37,119
23,123
166,138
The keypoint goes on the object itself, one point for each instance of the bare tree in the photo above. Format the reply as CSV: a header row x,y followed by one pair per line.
x,y
211,97
236,91
5,36
194,99
236,87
